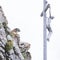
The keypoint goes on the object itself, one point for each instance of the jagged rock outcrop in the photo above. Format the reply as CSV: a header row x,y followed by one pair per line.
x,y
11,47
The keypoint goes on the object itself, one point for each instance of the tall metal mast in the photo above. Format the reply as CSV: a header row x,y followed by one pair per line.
x,y
46,26
44,32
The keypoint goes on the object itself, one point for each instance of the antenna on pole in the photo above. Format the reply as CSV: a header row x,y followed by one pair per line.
x,y
46,27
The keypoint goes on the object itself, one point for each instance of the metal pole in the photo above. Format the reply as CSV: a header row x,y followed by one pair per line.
x,y
44,32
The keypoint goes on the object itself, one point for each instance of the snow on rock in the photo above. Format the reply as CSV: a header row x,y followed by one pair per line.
x,y
11,48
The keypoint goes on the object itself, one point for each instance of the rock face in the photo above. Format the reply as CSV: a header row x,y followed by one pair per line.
x,y
11,48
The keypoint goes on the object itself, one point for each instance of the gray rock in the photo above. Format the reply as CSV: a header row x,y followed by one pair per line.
x,y
19,50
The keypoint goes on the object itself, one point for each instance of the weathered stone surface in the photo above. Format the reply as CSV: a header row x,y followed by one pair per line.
x,y
11,48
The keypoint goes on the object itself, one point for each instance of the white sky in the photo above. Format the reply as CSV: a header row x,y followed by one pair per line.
x,y
25,14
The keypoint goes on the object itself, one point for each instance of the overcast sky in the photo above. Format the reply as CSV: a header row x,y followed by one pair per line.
x,y
25,14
